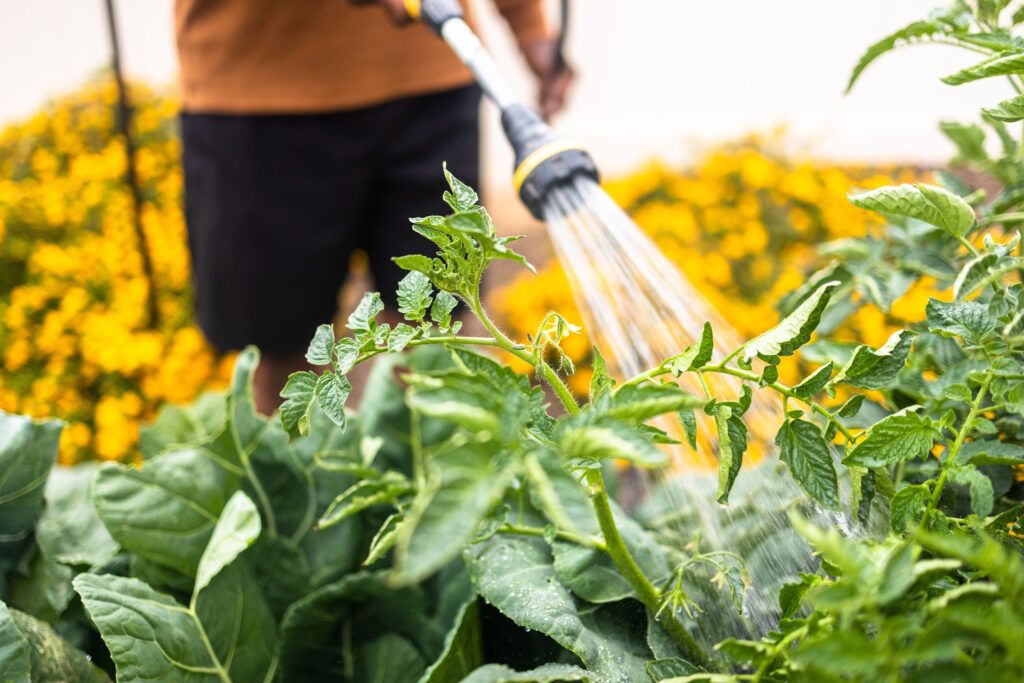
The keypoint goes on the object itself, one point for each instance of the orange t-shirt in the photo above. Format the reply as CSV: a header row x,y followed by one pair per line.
x,y
292,56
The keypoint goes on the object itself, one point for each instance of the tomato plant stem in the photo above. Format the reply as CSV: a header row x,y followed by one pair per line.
x,y
648,593
585,540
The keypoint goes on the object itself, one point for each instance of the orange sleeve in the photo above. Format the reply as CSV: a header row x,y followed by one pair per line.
x,y
526,19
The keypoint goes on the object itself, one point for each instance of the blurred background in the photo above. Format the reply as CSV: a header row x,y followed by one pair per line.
x,y
721,127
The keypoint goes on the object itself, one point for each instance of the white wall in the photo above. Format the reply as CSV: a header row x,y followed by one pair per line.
x,y
657,77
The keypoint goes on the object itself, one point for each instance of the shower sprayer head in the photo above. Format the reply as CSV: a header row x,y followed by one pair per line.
x,y
543,159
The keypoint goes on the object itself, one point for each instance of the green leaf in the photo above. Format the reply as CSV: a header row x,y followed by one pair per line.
x,y
346,352
331,393
694,356
840,653
918,30
299,393
869,368
166,510
385,538
906,505
463,647
31,650
400,337
791,595
69,531
969,141
904,435
979,486
985,452
321,346
794,330
516,576
927,203
688,423
815,382
178,426
967,319
236,529
732,442
363,318
803,449
462,197
15,655
600,439
639,403
1002,64
1008,111
548,673
441,310
28,449
228,636
669,669
600,382
464,482
851,407
365,494
414,292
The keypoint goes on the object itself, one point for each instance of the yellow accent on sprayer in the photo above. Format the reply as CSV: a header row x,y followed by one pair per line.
x,y
414,8
539,156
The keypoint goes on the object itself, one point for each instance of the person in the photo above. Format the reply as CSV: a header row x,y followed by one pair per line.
x,y
311,129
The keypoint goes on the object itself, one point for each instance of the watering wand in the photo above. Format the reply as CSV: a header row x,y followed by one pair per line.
x,y
544,160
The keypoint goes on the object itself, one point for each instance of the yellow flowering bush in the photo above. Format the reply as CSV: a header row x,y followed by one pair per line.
x,y
75,341
743,226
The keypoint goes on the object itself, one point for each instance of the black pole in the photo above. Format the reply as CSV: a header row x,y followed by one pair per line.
x,y
124,121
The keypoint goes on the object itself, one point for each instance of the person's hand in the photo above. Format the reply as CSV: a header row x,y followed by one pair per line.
x,y
554,75
395,9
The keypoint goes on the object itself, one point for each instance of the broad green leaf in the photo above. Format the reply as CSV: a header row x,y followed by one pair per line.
x,y
331,393
794,330
363,318
441,310
695,356
229,635
400,337
464,482
600,439
803,449
902,436
321,346
516,576
463,647
415,262
927,203
236,529
600,382
906,505
639,403
1008,111
869,368
414,292
164,511
69,531
28,450
1002,64
986,452
815,382
915,31
548,673
15,655
979,486
670,669
299,393
839,653
179,426
969,320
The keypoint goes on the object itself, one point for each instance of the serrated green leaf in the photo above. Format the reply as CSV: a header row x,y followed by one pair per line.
x,y
415,262
441,310
694,356
794,330
688,423
869,368
299,394
803,449
346,352
1008,111
978,485
927,203
1002,64
331,393
363,318
732,442
966,319
815,382
639,403
462,197
362,495
400,337
904,435
918,30
969,141
992,452
600,382
602,439
321,346
414,294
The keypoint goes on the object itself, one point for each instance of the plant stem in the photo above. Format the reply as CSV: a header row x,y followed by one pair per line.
x,y
1013,217
968,245
648,593
585,540
954,450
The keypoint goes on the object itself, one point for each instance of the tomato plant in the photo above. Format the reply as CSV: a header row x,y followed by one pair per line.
x,y
459,527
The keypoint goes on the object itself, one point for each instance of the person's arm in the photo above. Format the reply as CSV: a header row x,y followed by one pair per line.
x,y
540,48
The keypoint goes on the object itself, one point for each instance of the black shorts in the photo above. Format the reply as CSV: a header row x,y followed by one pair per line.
x,y
276,204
